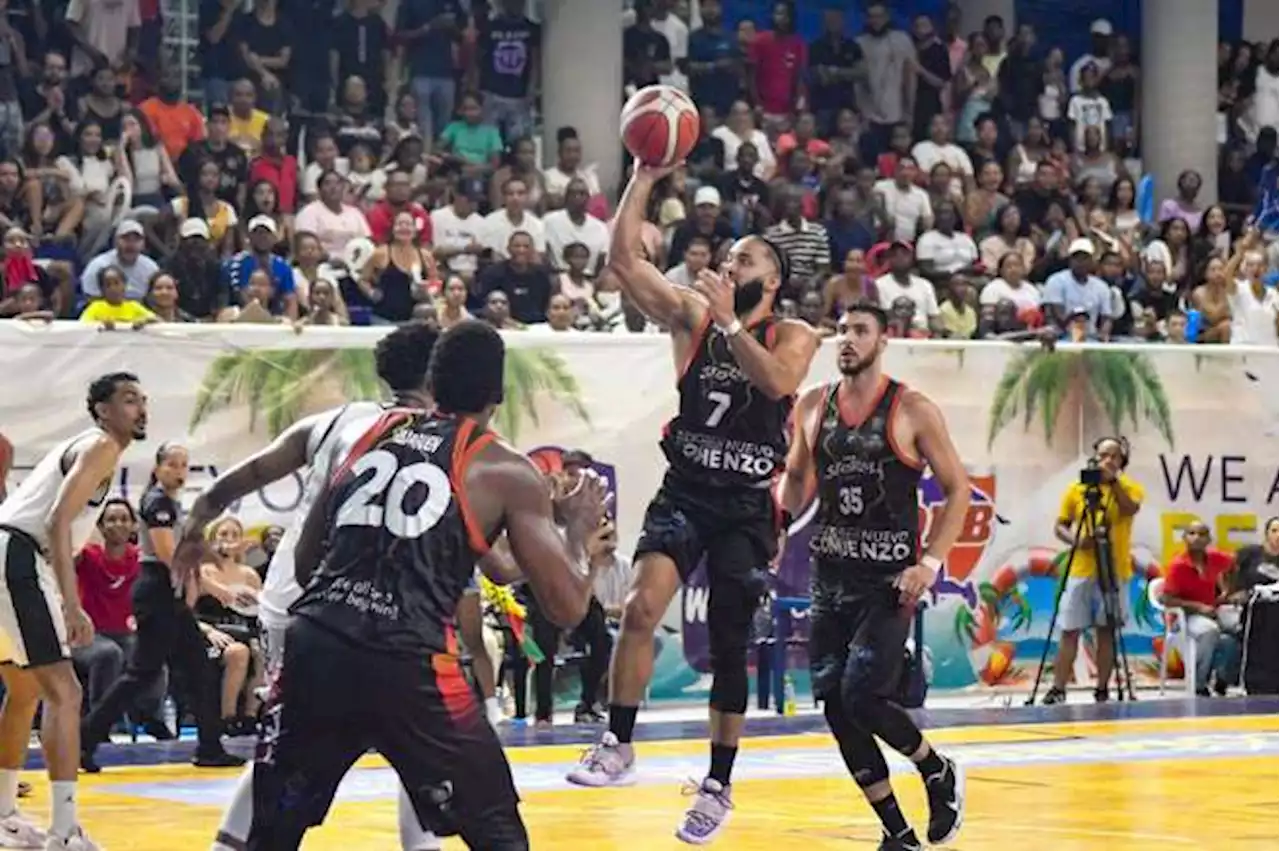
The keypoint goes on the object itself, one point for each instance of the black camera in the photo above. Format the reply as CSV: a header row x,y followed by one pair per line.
x,y
1091,475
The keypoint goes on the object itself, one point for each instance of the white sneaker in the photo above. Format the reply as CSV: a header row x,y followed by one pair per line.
x,y
493,712
606,764
78,841
709,814
17,831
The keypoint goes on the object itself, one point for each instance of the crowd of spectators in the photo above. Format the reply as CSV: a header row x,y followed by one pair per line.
x,y
340,168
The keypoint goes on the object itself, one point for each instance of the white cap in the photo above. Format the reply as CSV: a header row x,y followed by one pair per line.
x,y
1080,245
1101,27
706,195
194,227
129,226
263,222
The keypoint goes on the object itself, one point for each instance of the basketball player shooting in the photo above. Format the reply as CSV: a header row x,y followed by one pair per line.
x,y
738,368
43,524
370,657
864,441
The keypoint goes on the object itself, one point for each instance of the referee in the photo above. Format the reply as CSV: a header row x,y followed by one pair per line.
x,y
167,629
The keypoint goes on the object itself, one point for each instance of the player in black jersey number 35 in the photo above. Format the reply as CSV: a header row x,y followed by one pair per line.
x,y
865,439
738,371
370,656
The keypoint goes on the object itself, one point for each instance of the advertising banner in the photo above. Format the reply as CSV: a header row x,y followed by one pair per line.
x,y
1202,422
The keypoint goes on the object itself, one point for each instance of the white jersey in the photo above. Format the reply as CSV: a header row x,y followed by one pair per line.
x,y
29,508
331,436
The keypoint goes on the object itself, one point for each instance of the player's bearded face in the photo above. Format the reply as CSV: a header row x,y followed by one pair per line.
x,y
747,295
857,352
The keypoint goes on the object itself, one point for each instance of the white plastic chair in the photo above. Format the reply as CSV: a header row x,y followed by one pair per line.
x,y
1175,635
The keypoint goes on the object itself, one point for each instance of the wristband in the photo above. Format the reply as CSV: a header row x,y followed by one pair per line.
x,y
932,562
733,328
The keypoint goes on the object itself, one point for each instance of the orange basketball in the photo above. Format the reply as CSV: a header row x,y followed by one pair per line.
x,y
659,125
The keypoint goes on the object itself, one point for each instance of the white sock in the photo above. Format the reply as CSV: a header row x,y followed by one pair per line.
x,y
412,835
65,821
238,817
8,791
492,706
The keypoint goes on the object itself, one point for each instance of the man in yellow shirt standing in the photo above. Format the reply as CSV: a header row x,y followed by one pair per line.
x,y
1082,602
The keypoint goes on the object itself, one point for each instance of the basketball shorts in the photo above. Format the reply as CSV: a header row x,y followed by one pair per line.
x,y
735,529
858,631
333,701
33,631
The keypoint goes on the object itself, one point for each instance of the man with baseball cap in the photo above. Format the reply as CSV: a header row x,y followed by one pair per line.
x,y
263,234
127,255
899,282
1077,289
1099,55
706,221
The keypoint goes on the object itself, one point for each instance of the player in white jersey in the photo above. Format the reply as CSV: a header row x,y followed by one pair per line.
x,y
42,526
316,443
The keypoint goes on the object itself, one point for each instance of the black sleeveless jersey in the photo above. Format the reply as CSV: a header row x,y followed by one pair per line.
x,y
400,550
869,511
727,432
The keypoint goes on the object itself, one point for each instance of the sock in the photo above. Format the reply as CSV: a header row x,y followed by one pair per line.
x,y
8,791
64,808
238,817
622,721
931,764
412,836
492,706
895,824
722,757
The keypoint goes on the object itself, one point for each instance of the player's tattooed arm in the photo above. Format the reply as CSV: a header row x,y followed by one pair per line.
x,y
642,282
933,442
799,480
777,372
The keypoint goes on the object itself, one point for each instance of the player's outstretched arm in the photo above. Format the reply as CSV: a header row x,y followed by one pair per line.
x,y
641,281
508,490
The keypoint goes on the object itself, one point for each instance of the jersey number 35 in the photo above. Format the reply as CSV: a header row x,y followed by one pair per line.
x,y
380,499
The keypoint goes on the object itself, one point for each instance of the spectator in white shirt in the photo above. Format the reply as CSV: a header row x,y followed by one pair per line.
x,y
574,224
1266,96
677,33
906,204
697,256
456,231
330,218
1011,285
502,223
555,180
943,251
900,283
939,148
1099,56
739,127
1089,108
614,579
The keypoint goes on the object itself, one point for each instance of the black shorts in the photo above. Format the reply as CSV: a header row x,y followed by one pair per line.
x,y
858,630
735,528
334,701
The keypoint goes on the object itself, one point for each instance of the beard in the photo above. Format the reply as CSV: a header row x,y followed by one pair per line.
x,y
857,366
140,431
747,295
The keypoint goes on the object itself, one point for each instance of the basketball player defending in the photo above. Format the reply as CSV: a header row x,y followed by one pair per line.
x,y
401,358
865,439
738,370
384,556
53,512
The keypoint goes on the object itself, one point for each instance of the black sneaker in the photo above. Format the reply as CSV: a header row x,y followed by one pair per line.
x,y
1102,695
87,763
218,760
158,730
1220,688
583,714
946,802
909,842
1055,696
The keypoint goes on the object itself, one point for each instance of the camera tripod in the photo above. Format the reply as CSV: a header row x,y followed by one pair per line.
x,y
1093,526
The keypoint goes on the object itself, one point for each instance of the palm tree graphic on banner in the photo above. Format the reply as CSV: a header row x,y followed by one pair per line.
x,y
283,385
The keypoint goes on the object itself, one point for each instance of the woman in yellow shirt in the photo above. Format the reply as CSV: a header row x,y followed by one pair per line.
x,y
202,202
113,308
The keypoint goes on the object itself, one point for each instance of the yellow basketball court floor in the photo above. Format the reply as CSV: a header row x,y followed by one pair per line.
x,y
1121,785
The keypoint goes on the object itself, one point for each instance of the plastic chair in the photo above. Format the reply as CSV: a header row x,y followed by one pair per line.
x,y
1175,634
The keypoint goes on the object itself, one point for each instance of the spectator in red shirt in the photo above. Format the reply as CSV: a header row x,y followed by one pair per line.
x,y
779,60
1195,582
277,167
399,192
105,574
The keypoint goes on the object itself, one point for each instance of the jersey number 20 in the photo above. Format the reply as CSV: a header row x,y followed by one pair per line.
x,y
392,482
